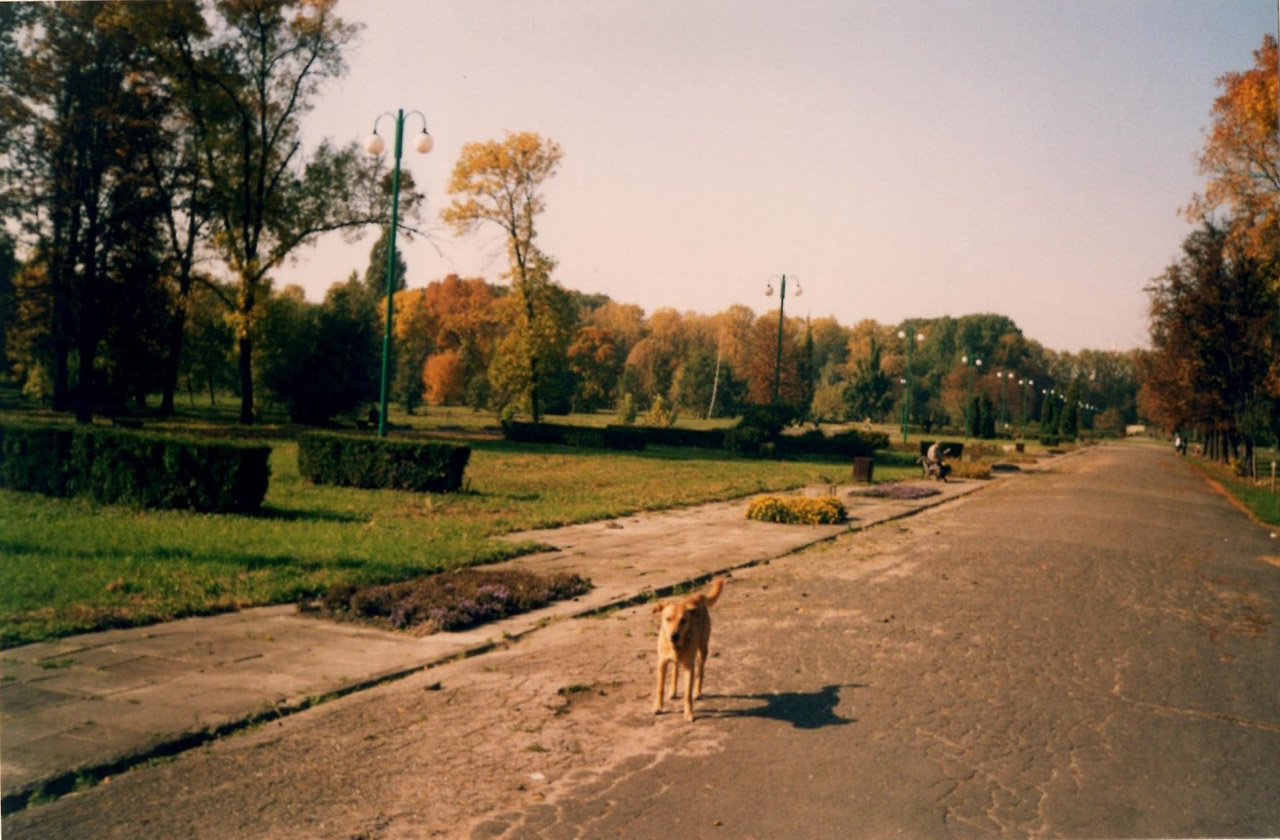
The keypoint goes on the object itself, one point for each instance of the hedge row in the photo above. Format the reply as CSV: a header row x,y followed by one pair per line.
x,y
133,468
629,438
745,439
377,463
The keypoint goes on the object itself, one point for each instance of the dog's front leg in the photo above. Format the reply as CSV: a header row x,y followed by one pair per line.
x,y
688,693
662,684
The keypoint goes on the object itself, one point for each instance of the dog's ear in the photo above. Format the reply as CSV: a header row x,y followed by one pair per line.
x,y
658,607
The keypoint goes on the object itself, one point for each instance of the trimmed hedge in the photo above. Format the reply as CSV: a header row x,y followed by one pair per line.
x,y
628,438
134,468
848,444
379,464
753,439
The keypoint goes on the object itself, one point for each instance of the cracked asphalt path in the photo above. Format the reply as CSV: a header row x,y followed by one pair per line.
x,y
1088,652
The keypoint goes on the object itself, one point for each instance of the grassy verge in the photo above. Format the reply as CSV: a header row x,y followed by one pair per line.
x,y
1254,496
68,565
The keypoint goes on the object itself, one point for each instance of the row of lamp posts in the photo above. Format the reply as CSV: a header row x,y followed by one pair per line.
x,y
374,145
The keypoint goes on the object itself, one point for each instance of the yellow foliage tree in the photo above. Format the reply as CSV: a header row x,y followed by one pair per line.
x,y
444,376
1241,156
500,183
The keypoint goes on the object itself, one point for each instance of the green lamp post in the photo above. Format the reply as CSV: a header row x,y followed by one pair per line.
x,y
373,145
969,362
906,402
782,300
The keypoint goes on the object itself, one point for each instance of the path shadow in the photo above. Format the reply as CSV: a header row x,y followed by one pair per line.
x,y
803,710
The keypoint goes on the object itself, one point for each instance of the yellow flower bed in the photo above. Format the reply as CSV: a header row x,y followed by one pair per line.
x,y
802,510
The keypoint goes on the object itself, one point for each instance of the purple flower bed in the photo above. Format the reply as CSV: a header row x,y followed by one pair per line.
x,y
902,492
451,600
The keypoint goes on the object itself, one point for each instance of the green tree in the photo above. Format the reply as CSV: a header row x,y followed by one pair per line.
x,y
869,392
321,360
1069,422
500,183
73,176
246,89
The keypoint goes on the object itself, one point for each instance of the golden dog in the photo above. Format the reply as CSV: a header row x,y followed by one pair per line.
x,y
682,641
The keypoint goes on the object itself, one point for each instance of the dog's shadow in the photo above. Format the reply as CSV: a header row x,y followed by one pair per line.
x,y
803,710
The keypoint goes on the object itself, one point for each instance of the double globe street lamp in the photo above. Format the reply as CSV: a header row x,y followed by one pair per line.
x,y
373,145
782,300
906,384
968,400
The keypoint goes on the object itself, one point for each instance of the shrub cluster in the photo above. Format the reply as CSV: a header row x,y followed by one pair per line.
x,y
453,600
627,438
970,469
847,444
133,468
803,510
378,464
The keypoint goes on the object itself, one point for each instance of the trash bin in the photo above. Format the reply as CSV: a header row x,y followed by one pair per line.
x,y
1020,447
862,468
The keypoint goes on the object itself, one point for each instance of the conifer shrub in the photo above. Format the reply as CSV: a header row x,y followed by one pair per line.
x,y
381,464
797,510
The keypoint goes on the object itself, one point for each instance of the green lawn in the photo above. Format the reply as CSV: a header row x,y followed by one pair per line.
x,y
68,565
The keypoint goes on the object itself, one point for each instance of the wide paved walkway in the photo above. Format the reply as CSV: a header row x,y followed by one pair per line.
x,y
95,704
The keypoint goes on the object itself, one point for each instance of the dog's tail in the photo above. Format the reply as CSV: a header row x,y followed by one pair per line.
x,y
714,593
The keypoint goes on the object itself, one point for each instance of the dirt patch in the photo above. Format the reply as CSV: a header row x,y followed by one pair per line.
x,y
449,601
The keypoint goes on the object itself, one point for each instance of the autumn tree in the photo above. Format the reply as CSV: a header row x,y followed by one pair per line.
x,y
1241,156
593,358
467,319
500,183
763,369
1215,338
444,377
413,332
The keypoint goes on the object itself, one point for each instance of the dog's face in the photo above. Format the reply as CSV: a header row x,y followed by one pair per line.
x,y
676,620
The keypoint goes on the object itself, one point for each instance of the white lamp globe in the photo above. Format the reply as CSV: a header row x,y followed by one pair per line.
x,y
424,143
373,144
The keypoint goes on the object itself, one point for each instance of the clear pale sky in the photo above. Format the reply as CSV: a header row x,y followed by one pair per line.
x,y
901,158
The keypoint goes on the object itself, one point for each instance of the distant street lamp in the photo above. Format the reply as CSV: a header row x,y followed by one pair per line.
x,y
1024,383
906,404
782,300
968,400
373,145
1004,377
